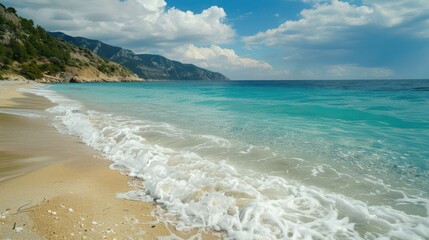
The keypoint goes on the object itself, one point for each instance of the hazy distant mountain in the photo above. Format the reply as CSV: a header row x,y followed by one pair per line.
x,y
147,66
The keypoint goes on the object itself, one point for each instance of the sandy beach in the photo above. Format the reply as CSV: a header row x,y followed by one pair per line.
x,y
53,187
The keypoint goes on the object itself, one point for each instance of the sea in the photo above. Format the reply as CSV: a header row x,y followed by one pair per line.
x,y
264,159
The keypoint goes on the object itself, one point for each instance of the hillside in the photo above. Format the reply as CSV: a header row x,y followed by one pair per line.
x,y
28,51
147,66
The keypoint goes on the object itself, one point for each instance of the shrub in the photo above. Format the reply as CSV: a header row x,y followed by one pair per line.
x,y
103,68
11,10
31,71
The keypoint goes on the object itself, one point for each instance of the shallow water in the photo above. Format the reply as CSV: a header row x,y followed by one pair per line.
x,y
265,159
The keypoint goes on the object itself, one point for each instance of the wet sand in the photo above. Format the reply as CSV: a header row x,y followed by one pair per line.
x,y
53,187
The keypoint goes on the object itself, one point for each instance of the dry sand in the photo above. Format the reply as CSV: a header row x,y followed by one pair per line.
x,y
53,187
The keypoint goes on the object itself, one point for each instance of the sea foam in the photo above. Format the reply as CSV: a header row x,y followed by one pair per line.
x,y
197,190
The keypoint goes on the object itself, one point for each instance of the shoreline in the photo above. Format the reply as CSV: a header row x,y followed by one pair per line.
x,y
67,193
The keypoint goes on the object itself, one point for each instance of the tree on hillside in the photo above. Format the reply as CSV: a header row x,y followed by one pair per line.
x,y
11,10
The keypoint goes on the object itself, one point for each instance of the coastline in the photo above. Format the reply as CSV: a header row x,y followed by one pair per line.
x,y
56,187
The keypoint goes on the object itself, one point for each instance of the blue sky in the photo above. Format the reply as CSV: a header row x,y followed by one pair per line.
x,y
277,39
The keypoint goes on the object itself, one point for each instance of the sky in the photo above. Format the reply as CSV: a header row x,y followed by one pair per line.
x,y
243,39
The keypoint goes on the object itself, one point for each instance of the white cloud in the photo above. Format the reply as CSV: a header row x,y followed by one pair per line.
x,y
224,60
332,21
410,16
215,57
395,12
337,38
338,71
316,25
130,23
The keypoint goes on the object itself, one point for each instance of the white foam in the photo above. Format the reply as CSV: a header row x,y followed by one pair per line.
x,y
316,170
198,192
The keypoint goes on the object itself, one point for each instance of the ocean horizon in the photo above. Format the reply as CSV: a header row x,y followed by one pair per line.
x,y
322,159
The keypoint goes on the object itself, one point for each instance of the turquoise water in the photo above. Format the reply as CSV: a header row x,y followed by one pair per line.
x,y
324,159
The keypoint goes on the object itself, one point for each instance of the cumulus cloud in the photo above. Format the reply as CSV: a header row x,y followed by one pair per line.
x,y
376,36
131,23
327,22
396,12
215,57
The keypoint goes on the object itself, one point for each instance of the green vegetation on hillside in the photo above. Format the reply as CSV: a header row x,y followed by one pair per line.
x,y
30,51
23,42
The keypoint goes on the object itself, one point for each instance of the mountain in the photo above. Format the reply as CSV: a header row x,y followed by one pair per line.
x,y
147,66
28,51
